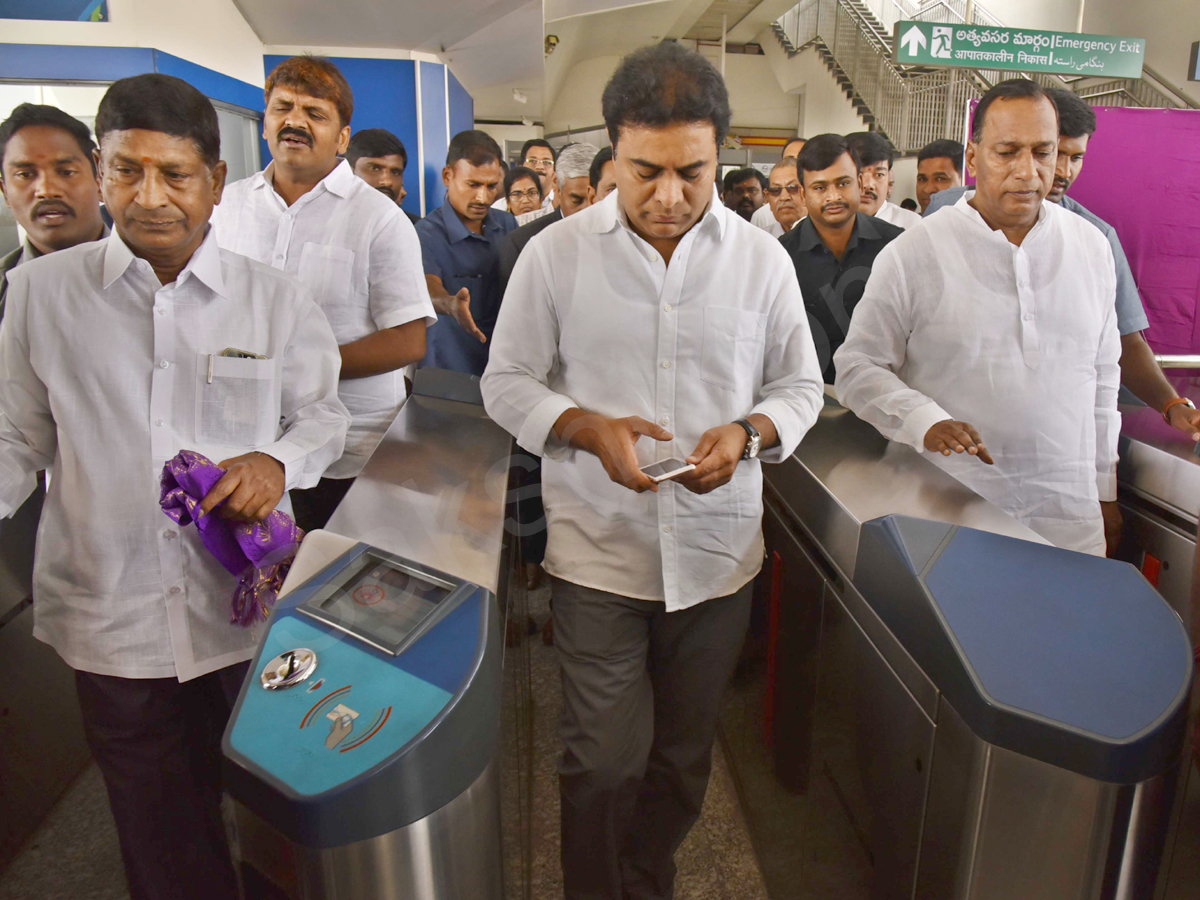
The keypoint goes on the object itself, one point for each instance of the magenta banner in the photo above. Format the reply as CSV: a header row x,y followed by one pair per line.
x,y
1142,175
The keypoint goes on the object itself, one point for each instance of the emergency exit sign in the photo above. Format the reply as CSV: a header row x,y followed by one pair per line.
x,y
1018,49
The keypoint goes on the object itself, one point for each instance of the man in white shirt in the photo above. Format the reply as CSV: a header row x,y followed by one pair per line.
x,y
110,364
875,153
763,216
785,198
994,321
655,324
308,215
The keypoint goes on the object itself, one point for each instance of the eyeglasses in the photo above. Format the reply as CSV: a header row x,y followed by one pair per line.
x,y
538,164
775,190
531,194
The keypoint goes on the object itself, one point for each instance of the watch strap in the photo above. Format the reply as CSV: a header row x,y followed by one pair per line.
x,y
1176,401
752,436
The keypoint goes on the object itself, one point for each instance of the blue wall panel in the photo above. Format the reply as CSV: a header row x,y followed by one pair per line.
x,y
53,62
462,107
385,96
433,131
214,85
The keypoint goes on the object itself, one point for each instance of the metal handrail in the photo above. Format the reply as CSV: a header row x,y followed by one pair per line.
x,y
1178,361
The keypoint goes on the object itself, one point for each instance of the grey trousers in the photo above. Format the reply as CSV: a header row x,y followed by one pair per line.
x,y
641,691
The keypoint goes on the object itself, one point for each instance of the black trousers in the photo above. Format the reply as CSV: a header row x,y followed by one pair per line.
x,y
312,507
641,691
158,745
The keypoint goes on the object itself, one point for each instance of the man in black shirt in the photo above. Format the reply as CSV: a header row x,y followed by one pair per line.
x,y
834,247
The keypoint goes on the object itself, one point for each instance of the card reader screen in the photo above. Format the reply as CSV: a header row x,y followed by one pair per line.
x,y
384,603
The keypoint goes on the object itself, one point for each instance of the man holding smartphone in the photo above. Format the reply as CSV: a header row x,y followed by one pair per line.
x,y
636,318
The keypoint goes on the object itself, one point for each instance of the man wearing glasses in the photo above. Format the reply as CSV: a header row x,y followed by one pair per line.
x,y
538,155
785,198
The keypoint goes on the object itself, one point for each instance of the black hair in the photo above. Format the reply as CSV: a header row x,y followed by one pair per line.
x,y
536,142
163,103
662,85
944,148
598,161
477,147
737,176
1075,118
823,151
373,143
30,114
872,148
516,173
1006,90
909,203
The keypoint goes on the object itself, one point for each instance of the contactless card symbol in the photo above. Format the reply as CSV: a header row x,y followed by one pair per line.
x,y
367,594
342,718
342,735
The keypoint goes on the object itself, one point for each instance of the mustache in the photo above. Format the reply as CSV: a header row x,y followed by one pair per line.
x,y
390,192
298,133
48,206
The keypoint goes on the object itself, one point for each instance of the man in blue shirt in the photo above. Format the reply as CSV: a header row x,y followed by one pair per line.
x,y
460,245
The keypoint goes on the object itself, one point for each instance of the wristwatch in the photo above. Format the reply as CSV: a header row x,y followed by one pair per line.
x,y
755,439
1178,401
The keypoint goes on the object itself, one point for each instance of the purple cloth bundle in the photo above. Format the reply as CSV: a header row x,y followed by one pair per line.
x,y
259,555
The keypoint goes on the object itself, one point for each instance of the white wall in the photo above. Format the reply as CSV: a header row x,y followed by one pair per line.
x,y
825,107
1057,15
216,36
1169,27
755,96
502,133
576,106
906,179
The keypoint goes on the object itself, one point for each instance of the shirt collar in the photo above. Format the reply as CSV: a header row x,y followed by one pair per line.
x,y
611,214
973,214
863,229
205,264
338,182
455,229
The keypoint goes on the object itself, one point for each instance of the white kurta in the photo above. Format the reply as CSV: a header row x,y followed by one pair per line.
x,y
104,376
1021,342
897,215
593,317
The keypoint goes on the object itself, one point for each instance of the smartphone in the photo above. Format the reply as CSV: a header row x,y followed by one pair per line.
x,y
668,468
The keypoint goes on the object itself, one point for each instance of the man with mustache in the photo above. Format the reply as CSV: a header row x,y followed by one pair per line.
x,y
48,179
744,191
763,217
1140,371
875,153
111,362
307,214
994,321
460,244
785,198
378,157
834,248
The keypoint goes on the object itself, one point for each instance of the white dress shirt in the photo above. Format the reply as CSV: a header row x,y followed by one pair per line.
x,y
593,318
1021,342
764,218
103,378
359,255
897,215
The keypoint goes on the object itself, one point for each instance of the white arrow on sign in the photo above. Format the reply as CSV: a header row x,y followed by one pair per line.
x,y
913,41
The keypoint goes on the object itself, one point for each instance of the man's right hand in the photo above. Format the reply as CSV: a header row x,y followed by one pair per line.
x,y
612,440
959,437
459,306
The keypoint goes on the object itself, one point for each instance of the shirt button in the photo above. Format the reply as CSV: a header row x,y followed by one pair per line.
x,y
666,364
667,307
1027,317
665,420
666,529
159,423
169,535
653,257
163,364
161,310
278,257
175,590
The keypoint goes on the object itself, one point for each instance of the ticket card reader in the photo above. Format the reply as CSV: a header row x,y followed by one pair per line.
x,y
363,746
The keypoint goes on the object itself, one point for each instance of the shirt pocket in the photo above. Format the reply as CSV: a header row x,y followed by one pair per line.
x,y
329,273
239,406
731,347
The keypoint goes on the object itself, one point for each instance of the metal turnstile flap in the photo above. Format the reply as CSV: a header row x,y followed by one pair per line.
x,y
1060,656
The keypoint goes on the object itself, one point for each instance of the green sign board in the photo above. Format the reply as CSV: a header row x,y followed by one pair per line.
x,y
1018,49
